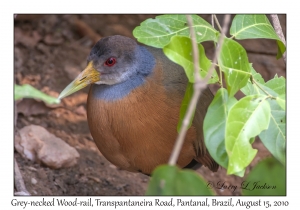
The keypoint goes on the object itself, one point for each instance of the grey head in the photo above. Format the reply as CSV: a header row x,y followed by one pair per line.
x,y
123,65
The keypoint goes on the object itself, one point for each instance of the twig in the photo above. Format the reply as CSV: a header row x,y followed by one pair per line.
x,y
185,123
195,49
217,22
220,43
19,182
212,21
269,95
279,32
200,84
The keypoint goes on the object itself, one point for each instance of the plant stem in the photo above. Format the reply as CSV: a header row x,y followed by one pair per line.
x,y
180,138
220,43
279,32
217,22
199,85
257,84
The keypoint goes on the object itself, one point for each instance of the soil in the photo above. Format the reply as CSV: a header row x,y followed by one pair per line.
x,y
49,51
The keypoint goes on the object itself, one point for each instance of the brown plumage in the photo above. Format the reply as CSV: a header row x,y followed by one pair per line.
x,y
135,129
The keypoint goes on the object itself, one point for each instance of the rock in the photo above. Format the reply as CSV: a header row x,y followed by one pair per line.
x,y
37,144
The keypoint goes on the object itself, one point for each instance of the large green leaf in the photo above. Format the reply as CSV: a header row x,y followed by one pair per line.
x,y
233,61
268,177
253,27
27,91
214,126
179,50
246,119
158,32
274,138
170,180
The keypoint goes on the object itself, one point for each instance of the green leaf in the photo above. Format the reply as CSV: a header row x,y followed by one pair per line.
x,y
267,178
274,138
246,119
233,61
281,101
277,84
27,91
250,88
214,126
274,87
179,50
170,180
158,32
184,105
253,27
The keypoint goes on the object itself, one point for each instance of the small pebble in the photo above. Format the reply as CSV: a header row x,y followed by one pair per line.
x,y
33,181
32,168
112,166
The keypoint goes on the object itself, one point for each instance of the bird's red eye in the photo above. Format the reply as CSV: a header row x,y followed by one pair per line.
x,y
110,62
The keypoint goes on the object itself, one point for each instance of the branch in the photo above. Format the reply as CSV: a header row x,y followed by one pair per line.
x,y
220,43
217,22
279,32
180,138
199,85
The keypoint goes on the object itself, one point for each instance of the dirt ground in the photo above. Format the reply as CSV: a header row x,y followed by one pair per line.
x,y
49,52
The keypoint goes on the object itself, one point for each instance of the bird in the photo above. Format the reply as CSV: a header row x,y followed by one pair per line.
x,y
133,106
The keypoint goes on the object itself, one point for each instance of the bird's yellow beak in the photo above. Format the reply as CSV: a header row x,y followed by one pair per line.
x,y
88,76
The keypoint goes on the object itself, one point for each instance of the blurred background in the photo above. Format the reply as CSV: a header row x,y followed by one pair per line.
x,y
49,52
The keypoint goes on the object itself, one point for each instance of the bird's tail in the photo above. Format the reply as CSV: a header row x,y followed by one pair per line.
x,y
208,161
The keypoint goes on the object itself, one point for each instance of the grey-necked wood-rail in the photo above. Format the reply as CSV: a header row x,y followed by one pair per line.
x,y
134,103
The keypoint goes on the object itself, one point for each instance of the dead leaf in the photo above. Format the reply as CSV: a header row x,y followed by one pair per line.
x,y
30,79
28,40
